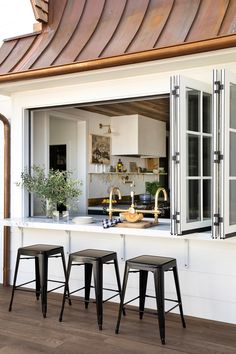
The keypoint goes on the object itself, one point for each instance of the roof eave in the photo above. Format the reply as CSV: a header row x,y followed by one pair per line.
x,y
125,59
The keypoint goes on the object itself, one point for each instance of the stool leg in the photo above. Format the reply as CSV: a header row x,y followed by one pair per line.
x,y
118,279
15,277
175,272
159,288
87,280
143,276
43,262
37,277
66,289
125,280
64,269
98,283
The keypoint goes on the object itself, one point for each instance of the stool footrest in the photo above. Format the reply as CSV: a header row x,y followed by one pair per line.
x,y
172,308
58,287
152,297
149,312
28,282
135,298
75,291
111,297
26,290
107,289
56,281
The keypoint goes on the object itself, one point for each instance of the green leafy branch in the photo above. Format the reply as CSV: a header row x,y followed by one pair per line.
x,y
58,186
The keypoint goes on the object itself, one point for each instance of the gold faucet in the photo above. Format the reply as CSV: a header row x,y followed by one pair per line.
x,y
113,190
156,210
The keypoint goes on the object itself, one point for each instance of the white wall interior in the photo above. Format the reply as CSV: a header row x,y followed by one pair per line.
x,y
59,128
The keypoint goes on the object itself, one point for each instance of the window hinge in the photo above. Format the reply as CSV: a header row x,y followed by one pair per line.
x,y
176,217
175,157
218,87
175,91
217,219
218,156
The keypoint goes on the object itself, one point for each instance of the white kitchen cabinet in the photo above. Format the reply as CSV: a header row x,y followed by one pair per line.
x,y
136,135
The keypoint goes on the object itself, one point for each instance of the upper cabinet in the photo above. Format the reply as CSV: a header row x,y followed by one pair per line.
x,y
136,135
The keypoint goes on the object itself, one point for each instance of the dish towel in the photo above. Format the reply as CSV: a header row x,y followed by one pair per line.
x,y
109,223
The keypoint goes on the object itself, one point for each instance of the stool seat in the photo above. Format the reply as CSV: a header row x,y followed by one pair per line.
x,y
158,265
91,255
152,261
93,261
41,254
34,250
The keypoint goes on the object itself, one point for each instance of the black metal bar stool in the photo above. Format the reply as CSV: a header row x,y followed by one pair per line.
x,y
157,265
93,261
40,253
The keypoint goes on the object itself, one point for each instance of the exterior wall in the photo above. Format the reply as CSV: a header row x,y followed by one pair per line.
x,y
208,284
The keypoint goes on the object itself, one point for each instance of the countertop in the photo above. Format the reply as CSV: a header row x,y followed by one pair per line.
x,y
160,230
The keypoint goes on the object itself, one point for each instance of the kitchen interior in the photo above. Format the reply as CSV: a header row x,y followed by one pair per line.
x,y
123,144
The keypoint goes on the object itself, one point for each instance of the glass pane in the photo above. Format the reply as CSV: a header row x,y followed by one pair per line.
x,y
193,102
193,155
232,202
206,114
233,106
232,144
193,201
206,156
207,199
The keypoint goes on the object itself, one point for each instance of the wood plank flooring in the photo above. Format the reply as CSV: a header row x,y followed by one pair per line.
x,y
25,331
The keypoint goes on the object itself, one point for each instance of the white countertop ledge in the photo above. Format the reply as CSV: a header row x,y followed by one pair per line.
x,y
161,230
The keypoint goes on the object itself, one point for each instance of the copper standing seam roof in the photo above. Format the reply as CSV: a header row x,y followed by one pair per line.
x,y
90,34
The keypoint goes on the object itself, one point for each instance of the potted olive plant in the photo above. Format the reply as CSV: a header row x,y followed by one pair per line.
x,y
55,188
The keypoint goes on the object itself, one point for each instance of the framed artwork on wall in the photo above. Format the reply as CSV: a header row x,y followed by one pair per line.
x,y
100,149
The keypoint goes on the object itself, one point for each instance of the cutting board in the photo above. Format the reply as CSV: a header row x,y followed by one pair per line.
x,y
137,225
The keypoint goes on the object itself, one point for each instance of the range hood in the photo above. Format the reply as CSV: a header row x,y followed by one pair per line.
x,y
138,136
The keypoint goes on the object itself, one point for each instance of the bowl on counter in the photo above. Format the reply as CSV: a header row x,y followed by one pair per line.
x,y
82,220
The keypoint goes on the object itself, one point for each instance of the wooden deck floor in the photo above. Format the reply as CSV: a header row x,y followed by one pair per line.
x,y
25,331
